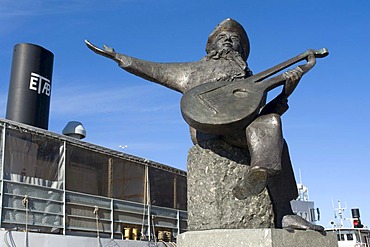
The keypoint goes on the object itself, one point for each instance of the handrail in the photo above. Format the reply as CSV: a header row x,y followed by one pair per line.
x,y
174,215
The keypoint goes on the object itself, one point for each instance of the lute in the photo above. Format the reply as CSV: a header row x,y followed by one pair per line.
x,y
224,107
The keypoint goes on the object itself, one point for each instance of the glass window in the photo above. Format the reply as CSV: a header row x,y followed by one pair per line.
x,y
305,216
162,188
312,214
86,171
91,172
33,158
181,191
349,236
340,237
128,180
167,189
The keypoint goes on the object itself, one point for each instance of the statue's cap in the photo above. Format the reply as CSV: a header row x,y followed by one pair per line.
x,y
230,25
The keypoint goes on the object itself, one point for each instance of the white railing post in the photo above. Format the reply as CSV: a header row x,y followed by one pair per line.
x,y
112,218
2,176
149,223
64,186
178,222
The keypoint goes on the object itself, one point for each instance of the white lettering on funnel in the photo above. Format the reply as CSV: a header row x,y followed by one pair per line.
x,y
40,84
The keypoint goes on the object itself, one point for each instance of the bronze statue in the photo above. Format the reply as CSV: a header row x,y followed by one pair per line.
x,y
227,52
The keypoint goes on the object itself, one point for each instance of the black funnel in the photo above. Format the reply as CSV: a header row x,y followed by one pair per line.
x,y
355,213
30,85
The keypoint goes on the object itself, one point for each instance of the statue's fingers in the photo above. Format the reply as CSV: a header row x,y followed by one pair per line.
x,y
93,47
108,49
90,45
106,52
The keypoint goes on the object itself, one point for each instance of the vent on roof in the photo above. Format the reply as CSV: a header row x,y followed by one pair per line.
x,y
74,129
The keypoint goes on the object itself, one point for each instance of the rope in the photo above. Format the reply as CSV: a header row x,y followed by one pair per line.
x,y
25,204
154,236
144,203
5,238
96,210
168,244
142,224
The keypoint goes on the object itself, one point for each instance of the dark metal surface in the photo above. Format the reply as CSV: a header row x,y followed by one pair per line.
x,y
30,85
223,107
256,128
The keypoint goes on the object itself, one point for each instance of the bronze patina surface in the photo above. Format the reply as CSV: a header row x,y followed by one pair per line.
x,y
239,159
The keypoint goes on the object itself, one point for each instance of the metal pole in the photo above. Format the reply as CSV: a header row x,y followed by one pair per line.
x,y
2,175
148,199
64,187
112,218
149,224
178,222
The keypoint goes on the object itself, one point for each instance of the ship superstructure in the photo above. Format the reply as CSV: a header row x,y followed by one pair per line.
x,y
60,185
51,183
303,206
350,231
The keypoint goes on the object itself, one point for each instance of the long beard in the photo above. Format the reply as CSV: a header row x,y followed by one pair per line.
x,y
232,55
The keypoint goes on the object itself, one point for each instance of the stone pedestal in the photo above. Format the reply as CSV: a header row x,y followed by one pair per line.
x,y
213,170
256,238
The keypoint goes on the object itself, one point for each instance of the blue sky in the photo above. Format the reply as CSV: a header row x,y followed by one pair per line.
x,y
326,127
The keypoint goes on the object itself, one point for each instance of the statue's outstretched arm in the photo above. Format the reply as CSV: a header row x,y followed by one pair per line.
x,y
171,75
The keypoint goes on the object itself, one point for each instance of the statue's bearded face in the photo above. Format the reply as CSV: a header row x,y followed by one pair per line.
x,y
228,41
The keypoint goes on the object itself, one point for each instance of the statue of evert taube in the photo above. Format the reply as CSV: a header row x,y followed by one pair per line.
x,y
239,170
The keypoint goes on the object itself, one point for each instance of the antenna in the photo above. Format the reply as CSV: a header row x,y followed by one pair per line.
x,y
302,190
340,213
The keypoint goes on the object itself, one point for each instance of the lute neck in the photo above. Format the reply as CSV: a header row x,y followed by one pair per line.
x,y
309,55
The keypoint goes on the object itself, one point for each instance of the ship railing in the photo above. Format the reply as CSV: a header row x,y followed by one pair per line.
x,y
50,210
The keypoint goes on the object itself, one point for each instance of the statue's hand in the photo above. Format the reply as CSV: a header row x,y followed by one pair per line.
x,y
278,105
106,52
109,52
292,78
